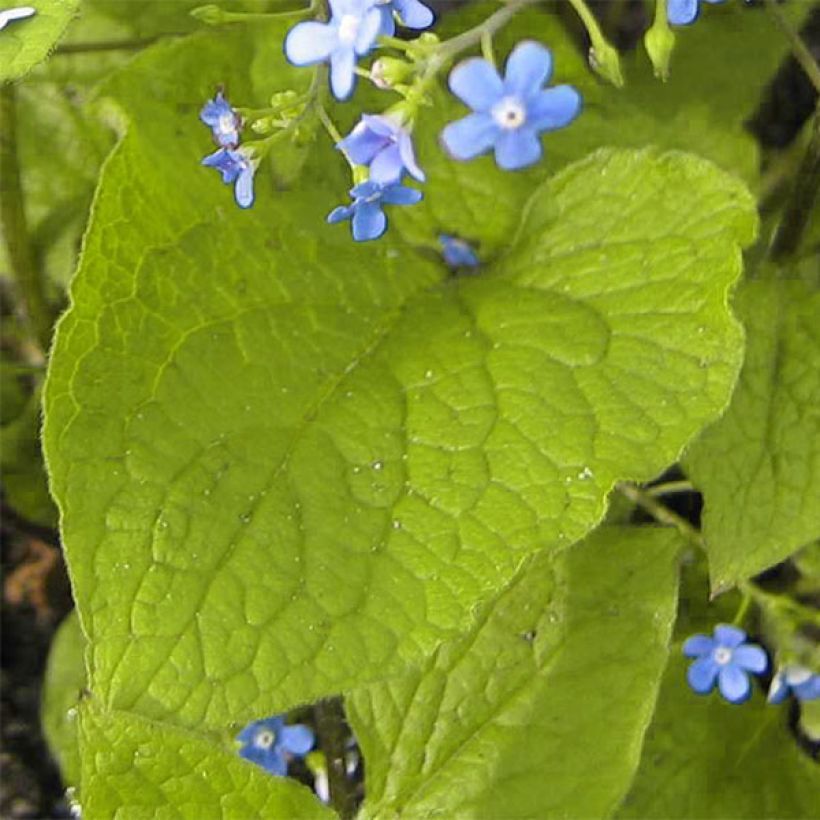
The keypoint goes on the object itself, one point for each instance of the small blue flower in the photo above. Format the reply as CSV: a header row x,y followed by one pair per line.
x,y
367,218
684,12
18,13
382,143
509,114
268,743
223,121
802,682
725,659
457,253
236,166
352,31
411,14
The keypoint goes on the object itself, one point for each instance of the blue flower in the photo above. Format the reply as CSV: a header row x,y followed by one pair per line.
x,y
268,742
684,12
411,14
508,114
236,166
725,659
352,31
802,682
382,143
18,13
367,218
222,120
457,253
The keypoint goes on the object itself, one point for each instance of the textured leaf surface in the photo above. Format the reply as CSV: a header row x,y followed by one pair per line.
x,y
63,685
705,758
23,43
144,769
556,681
759,466
286,461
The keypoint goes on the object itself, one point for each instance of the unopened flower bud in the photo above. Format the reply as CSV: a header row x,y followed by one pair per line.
x,y
388,72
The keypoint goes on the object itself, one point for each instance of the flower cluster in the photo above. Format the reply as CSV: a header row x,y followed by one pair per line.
x,y
270,743
236,164
727,660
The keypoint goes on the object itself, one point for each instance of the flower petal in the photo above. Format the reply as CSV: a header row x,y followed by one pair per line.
x,y
696,646
701,675
681,12
778,690
369,30
243,191
528,67
296,739
342,72
751,658
808,690
414,14
270,759
369,222
381,125
387,166
734,684
729,636
408,156
401,195
339,214
553,108
388,24
476,83
310,42
470,136
517,148
362,144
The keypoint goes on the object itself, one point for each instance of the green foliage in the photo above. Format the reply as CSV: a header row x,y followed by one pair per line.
x,y
706,758
288,464
25,43
64,683
540,709
759,466
144,769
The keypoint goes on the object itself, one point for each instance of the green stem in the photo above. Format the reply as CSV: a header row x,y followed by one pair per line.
x,y
771,600
15,227
670,487
330,726
798,210
742,609
661,513
799,48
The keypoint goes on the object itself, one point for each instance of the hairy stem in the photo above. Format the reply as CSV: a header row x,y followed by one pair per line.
x,y
15,227
670,487
786,240
661,513
799,48
330,724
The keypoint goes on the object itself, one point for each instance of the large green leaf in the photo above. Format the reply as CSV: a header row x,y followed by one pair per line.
x,y
24,43
144,769
540,710
759,466
706,758
288,463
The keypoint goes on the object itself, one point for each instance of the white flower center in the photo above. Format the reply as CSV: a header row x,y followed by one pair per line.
x,y
226,124
348,29
264,739
722,655
509,113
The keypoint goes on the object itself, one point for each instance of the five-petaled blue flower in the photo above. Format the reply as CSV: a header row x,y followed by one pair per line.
x,y
411,14
268,743
725,659
508,114
352,31
684,12
367,217
385,145
18,13
457,253
236,166
223,121
802,682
